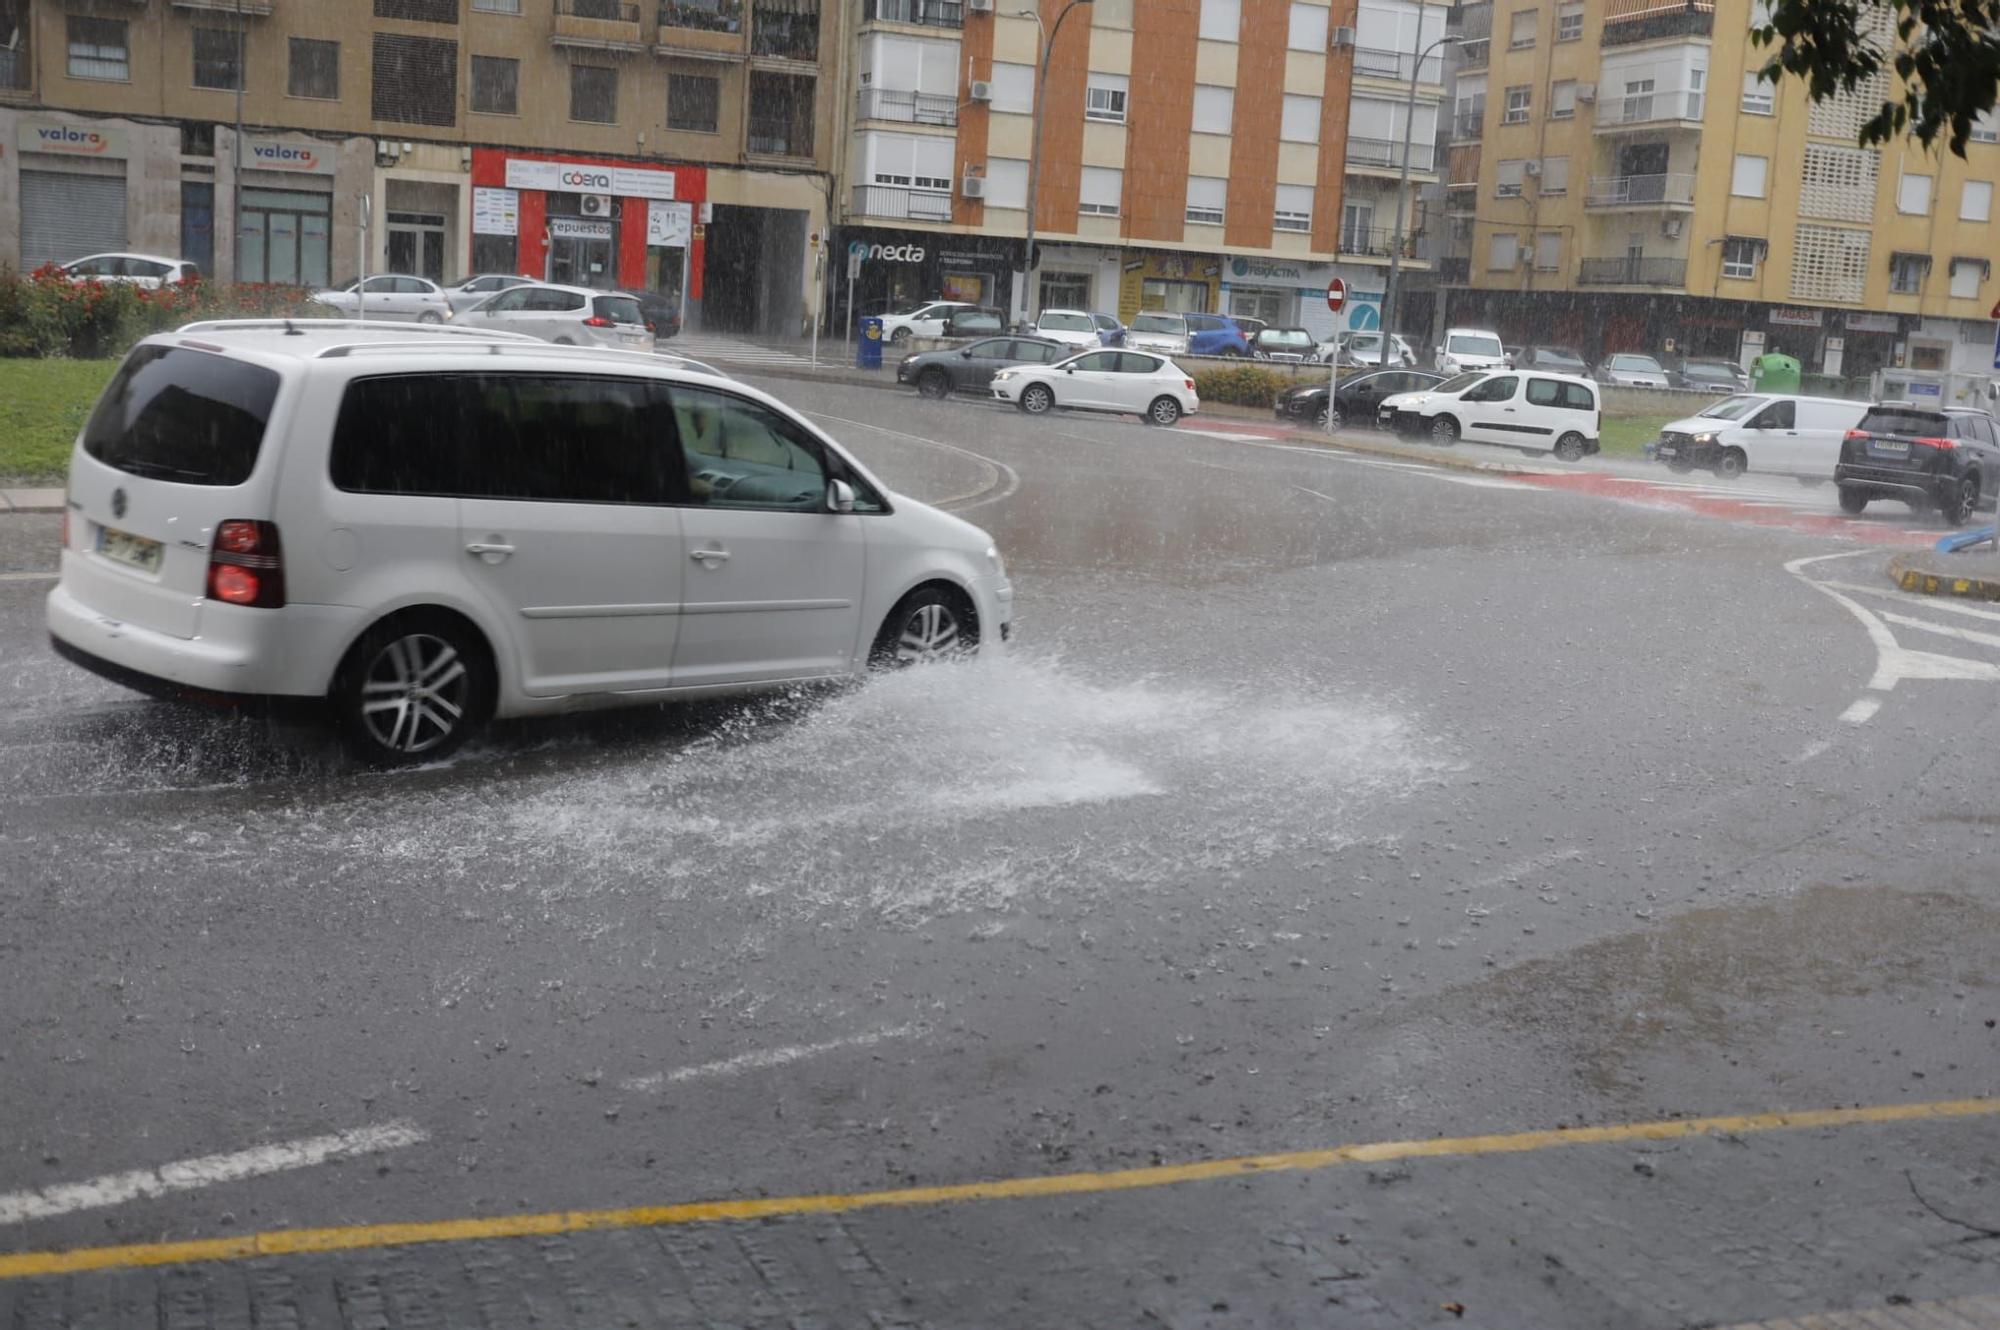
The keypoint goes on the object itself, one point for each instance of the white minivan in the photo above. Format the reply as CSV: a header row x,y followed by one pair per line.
x,y
1466,349
431,527
1524,409
1764,432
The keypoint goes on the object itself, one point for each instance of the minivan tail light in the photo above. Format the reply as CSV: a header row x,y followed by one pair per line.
x,y
1857,434
1945,445
246,566
597,321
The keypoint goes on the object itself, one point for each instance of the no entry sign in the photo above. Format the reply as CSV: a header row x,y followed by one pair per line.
x,y
1336,295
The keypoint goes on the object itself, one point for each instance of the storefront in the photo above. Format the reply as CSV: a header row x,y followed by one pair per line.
x,y
1151,279
897,270
1077,277
1291,294
285,232
73,196
588,221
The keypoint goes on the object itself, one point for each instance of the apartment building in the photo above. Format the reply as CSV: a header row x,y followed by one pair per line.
x,y
1214,155
684,146
1618,179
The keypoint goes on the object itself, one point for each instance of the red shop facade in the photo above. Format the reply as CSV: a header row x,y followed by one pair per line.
x,y
588,221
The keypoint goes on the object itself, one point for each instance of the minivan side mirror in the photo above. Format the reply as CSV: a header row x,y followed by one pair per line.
x,y
839,497
967,353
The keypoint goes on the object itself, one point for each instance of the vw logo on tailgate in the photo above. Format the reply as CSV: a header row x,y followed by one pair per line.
x,y
118,502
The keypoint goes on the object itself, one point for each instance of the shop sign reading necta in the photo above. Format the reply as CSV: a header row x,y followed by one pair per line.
x,y
584,178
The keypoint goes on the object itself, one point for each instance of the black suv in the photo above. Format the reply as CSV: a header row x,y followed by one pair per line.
x,y
1923,455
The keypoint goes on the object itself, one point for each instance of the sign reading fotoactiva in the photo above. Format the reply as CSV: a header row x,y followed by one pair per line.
x,y
71,140
578,178
305,156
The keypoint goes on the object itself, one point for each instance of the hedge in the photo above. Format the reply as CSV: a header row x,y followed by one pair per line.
x,y
1243,386
46,314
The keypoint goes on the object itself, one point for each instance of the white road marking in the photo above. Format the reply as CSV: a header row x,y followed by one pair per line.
x,y
207,1171
1944,630
1813,750
763,1059
1862,711
1893,593
1487,483
978,498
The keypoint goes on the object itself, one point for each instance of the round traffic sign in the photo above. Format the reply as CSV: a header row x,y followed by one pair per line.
x,y
1336,294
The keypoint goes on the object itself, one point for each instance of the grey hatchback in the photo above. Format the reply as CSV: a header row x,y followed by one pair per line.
x,y
970,368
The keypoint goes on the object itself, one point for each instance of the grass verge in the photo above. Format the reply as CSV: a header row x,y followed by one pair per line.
x,y
42,405
1624,436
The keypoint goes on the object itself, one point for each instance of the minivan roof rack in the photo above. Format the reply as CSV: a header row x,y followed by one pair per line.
x,y
525,346
303,325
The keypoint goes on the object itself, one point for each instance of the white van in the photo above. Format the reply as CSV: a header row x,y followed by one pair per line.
x,y
428,528
1524,409
1765,432
1467,349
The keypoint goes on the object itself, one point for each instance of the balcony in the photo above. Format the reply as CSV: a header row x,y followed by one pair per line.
x,y
915,205
251,8
1640,191
702,29
1645,109
785,30
910,108
597,25
924,13
1473,53
1630,271
1375,242
1396,65
1387,155
1468,126
1630,21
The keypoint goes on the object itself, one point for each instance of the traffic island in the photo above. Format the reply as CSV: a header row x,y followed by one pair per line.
x,y
1932,573
1343,441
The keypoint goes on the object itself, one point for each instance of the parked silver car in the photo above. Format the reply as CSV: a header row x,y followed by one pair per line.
x,y
390,297
566,315
474,290
147,271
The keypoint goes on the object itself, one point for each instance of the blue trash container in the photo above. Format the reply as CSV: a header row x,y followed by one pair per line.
x,y
869,354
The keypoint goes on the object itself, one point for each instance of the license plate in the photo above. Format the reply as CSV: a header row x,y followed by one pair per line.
x,y
632,337
1668,450
1889,447
128,549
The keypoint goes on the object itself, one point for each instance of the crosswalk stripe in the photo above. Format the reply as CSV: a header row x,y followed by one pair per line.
x,y
1943,630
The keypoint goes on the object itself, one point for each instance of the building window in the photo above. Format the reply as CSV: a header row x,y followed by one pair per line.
x,y
1569,21
1013,87
215,58
1748,179
1519,99
98,50
1295,208
1308,28
1006,182
414,80
1914,195
1740,255
418,11
1220,19
788,29
1214,109
1104,99
1966,275
1111,14
1207,197
1975,204
285,237
694,102
1907,273
1301,119
593,94
315,69
498,7
1548,251
197,140
1555,176
496,85
1357,228
1758,96
1504,252
1507,181
1562,99
781,115
1521,29
1986,127
1101,191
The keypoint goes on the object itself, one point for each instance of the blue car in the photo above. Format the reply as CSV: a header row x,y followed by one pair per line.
x,y
1110,332
1214,335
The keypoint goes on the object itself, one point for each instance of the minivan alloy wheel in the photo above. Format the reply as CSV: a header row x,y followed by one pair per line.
x,y
930,631
929,624
414,693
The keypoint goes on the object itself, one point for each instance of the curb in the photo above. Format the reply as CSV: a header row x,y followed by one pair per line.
x,y
31,500
1429,457
1906,573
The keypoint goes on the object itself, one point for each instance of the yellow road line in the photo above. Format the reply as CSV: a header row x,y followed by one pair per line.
x,y
280,1242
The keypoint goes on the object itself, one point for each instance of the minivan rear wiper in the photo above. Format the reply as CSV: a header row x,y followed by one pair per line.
x,y
155,470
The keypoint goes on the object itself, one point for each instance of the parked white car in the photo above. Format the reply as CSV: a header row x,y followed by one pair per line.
x,y
1366,348
149,271
566,315
1764,432
1529,410
1126,382
474,290
390,297
923,321
1159,332
1071,327
430,528
1466,349
1628,370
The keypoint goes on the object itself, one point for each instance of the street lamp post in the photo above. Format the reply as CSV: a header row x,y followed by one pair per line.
x,y
1403,196
1048,43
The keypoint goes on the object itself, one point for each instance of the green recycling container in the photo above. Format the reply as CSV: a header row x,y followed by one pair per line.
x,y
1773,373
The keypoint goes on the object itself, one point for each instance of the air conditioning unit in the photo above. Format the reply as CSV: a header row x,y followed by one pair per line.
x,y
979,6
1670,227
1531,168
973,187
1586,92
981,90
1341,39
595,205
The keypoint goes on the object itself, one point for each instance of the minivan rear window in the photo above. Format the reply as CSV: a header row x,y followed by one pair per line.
x,y
182,415
1159,323
618,309
1914,421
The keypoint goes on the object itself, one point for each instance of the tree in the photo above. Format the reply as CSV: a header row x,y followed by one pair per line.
x,y
1940,58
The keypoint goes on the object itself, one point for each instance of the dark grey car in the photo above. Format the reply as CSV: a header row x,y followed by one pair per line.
x,y
971,368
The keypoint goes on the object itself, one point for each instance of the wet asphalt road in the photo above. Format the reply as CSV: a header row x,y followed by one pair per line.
x,y
1318,802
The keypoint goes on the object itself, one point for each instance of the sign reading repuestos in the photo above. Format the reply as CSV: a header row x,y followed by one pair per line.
x,y
586,178
83,139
